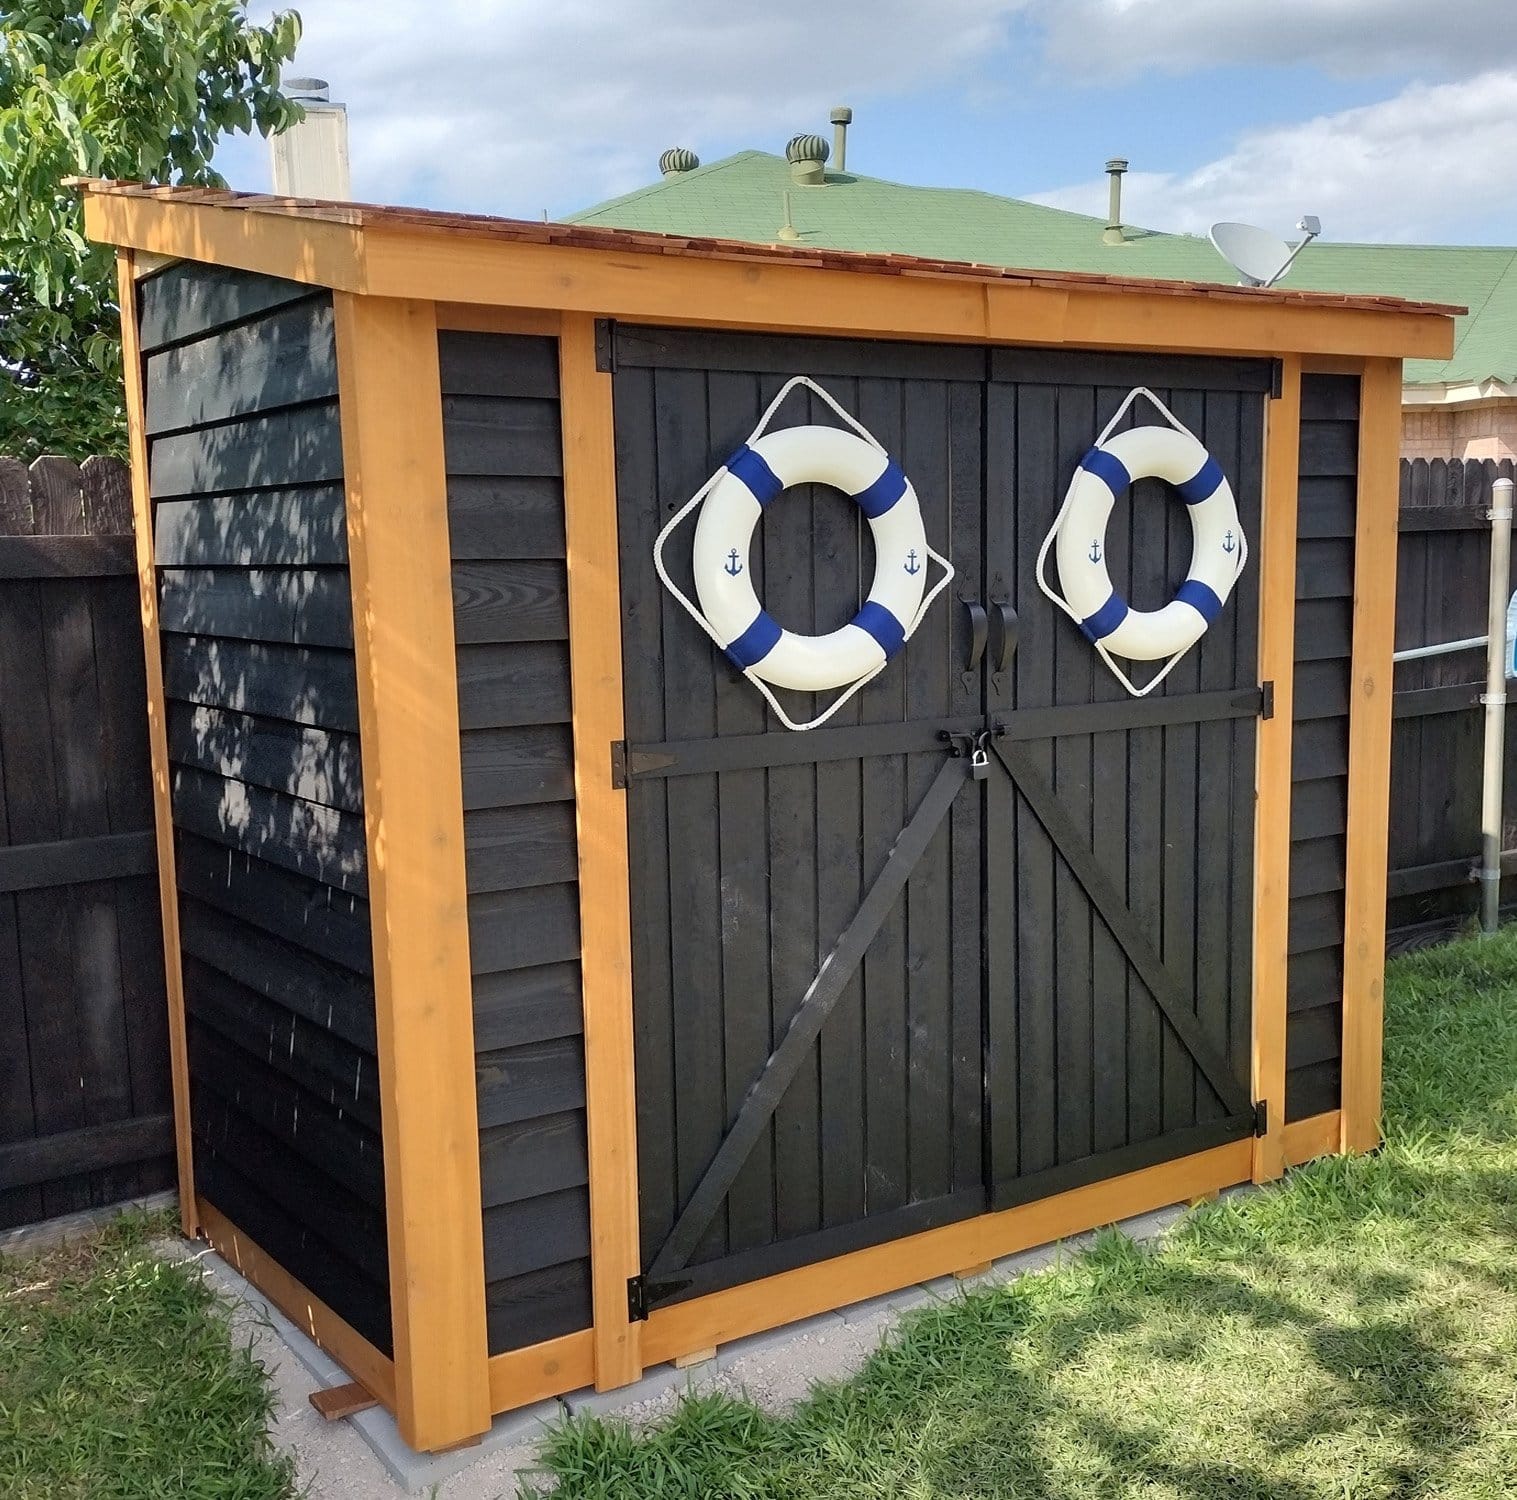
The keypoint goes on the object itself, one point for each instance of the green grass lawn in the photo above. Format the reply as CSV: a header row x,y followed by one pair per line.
x,y
120,1377
1350,1332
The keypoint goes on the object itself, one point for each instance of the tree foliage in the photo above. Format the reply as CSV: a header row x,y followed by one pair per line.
x,y
139,89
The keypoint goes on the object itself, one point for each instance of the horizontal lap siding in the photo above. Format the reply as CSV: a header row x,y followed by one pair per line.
x,y
245,464
1319,764
511,624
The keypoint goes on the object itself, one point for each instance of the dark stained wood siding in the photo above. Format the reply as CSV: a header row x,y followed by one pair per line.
x,y
510,609
245,464
1319,763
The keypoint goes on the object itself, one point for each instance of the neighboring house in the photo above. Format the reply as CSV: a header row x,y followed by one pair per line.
x,y
1464,407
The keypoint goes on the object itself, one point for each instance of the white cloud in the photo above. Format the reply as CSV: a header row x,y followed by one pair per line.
x,y
505,107
1355,37
1404,169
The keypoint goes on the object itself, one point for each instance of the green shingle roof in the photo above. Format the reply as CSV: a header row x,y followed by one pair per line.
x,y
740,197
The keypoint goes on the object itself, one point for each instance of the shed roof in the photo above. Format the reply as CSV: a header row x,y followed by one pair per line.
x,y
473,258
739,197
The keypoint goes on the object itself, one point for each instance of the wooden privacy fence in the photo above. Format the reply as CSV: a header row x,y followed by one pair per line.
x,y
1436,745
85,1111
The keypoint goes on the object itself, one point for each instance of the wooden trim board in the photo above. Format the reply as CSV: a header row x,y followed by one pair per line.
x,y
371,1369
522,1376
466,317
1317,1135
158,750
409,261
401,572
1371,688
802,1293
595,661
1272,834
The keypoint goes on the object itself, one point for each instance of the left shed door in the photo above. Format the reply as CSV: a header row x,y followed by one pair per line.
x,y
754,850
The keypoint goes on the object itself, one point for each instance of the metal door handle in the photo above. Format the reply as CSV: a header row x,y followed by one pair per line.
x,y
1006,636
979,632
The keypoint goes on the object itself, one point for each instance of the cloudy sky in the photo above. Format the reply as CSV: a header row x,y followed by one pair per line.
x,y
1390,119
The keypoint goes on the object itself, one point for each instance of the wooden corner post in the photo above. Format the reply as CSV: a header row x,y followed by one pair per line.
x,y
595,647
1369,750
158,749
397,516
1272,834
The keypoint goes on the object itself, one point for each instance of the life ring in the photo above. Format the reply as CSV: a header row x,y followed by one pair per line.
x,y
1217,543
753,478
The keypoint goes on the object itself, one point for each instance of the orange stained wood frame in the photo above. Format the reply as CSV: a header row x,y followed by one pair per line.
x,y
1369,751
1317,1135
723,1316
568,1363
409,260
163,813
595,662
309,1313
401,576
1277,639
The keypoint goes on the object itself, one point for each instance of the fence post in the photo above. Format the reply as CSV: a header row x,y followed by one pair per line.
x,y
1494,699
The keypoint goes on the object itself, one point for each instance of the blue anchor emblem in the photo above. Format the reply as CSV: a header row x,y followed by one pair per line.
x,y
1229,542
732,565
912,565
1095,552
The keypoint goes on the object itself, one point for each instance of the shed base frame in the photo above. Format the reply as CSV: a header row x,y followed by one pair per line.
x,y
557,1366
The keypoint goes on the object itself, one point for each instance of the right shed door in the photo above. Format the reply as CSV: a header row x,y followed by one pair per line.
x,y
1119,830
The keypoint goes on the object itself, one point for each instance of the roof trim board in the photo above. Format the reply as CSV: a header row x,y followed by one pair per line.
x,y
400,252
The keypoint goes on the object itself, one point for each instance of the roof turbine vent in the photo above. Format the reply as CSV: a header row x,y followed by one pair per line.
x,y
807,155
678,160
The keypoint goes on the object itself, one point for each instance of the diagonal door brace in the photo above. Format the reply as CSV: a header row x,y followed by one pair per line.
x,y
1074,848
825,991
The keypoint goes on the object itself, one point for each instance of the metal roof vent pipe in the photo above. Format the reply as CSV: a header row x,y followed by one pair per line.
x,y
678,160
1112,235
310,159
842,118
807,155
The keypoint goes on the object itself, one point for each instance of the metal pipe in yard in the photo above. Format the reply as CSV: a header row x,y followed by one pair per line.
x,y
1494,699
1416,653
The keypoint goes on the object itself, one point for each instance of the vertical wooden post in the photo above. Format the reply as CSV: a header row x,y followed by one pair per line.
x,y
1272,834
595,648
158,750
397,512
1369,750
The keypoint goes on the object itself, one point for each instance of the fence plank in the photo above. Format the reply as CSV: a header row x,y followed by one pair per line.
x,y
15,498
57,496
107,496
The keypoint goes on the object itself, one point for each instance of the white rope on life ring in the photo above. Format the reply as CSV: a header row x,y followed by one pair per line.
x,y
1078,537
733,500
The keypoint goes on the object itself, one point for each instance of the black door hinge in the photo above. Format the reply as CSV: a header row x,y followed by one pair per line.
x,y
1267,700
641,1295
619,764
1261,1118
605,346
1276,379
637,1299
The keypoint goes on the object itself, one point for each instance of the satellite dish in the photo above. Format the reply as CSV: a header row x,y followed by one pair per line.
x,y
1255,254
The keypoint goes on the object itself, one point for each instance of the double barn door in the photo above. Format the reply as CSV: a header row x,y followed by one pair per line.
x,y
985,936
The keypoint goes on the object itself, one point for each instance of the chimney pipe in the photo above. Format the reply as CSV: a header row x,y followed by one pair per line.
x,y
310,159
1112,235
842,118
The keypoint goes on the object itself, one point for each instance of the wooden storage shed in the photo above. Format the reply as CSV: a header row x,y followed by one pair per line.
x,y
493,892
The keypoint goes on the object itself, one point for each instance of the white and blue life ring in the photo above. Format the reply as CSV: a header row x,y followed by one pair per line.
x,y
1217,543
754,477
